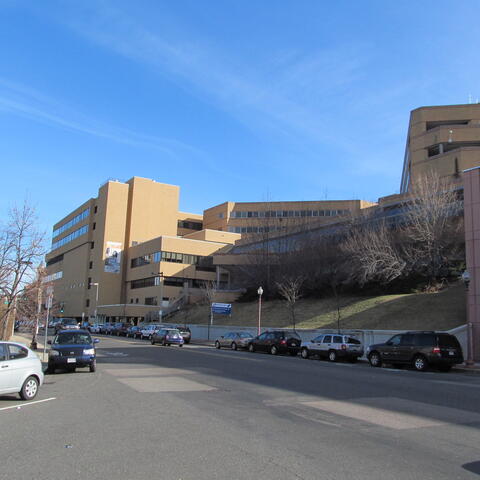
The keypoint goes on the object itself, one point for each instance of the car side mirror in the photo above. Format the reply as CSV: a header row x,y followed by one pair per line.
x,y
49,342
96,340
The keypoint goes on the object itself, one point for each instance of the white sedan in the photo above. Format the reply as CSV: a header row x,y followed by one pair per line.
x,y
20,370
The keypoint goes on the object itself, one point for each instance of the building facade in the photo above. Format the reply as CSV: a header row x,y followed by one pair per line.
x,y
443,139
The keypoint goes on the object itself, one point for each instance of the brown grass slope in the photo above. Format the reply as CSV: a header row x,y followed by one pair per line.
x,y
418,311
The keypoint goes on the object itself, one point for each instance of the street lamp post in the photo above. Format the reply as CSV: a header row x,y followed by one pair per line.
x,y
96,299
260,293
470,347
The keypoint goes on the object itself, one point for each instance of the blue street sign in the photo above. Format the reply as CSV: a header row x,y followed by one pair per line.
x,y
222,308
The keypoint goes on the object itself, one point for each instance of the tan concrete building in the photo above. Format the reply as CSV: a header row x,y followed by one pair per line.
x,y
445,139
130,251
250,218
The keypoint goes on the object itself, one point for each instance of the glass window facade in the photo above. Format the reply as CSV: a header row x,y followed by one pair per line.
x,y
81,216
70,237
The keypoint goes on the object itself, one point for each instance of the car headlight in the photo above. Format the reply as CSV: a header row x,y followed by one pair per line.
x,y
54,353
89,351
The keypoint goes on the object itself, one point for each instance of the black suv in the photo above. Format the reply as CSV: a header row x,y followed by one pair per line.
x,y
420,349
276,341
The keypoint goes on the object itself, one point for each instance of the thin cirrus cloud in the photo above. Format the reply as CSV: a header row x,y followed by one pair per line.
x,y
21,100
258,97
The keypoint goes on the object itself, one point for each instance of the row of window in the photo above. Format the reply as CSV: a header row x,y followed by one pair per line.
x,y
167,281
189,225
150,300
70,237
53,276
55,260
288,213
81,216
166,257
256,229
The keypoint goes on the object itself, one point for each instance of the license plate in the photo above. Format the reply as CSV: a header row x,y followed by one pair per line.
x,y
71,360
294,344
451,353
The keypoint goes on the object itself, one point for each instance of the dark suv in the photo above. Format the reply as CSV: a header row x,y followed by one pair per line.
x,y
276,341
419,349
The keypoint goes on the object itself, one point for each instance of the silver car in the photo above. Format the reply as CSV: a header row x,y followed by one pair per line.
x,y
333,346
20,370
234,340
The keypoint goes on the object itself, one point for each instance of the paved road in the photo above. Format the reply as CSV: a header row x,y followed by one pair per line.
x,y
198,413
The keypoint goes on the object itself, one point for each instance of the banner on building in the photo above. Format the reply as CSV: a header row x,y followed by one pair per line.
x,y
113,254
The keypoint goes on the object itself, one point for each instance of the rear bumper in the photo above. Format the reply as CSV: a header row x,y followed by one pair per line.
x,y
442,361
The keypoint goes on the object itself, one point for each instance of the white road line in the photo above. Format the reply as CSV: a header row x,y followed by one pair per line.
x,y
29,403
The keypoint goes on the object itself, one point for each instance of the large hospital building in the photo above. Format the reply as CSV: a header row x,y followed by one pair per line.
x,y
129,252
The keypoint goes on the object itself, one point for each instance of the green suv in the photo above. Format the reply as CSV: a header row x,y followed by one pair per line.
x,y
419,349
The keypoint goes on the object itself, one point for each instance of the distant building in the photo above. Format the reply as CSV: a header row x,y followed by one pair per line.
x,y
445,139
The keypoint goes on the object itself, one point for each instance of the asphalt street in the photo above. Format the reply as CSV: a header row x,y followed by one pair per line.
x,y
196,413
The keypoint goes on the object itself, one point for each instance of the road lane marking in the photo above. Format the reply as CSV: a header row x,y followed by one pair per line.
x,y
20,405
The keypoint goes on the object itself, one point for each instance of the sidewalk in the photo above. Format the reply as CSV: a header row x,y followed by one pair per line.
x,y
26,339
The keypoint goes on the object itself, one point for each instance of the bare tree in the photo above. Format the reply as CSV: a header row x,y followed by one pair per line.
x,y
22,248
431,224
375,256
290,290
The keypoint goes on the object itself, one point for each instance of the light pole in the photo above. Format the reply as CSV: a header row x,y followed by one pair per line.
x,y
96,299
470,347
260,293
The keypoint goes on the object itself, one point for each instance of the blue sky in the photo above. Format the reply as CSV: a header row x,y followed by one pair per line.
x,y
230,100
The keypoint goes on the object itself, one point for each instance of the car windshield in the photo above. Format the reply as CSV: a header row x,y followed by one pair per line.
x,y
69,322
72,338
245,335
172,332
353,340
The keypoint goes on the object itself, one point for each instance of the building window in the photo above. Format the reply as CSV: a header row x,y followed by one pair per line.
x,y
95,209
189,225
220,215
90,265
70,237
92,245
87,302
136,300
94,226
54,260
81,216
150,300
89,283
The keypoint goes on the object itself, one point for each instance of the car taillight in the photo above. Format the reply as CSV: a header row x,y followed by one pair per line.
x,y
436,350
283,342
344,347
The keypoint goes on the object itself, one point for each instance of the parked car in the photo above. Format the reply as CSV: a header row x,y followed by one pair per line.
x,y
20,370
333,347
234,340
95,328
148,330
168,336
71,350
107,328
185,333
276,341
419,349
133,331
66,324
120,329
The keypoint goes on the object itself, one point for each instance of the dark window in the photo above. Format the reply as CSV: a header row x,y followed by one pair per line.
x,y
445,340
327,339
3,352
337,339
87,302
263,336
15,352
94,226
353,341
136,300
143,282
150,300
95,209
92,245
90,265
424,340
89,283
395,340
54,260
407,339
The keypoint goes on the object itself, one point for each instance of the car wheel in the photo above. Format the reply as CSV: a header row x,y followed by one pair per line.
x,y
29,388
180,345
217,344
420,363
251,348
375,359
304,353
93,366
233,346
273,350
332,356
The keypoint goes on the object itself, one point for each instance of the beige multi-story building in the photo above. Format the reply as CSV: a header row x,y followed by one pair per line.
x,y
130,251
250,218
444,139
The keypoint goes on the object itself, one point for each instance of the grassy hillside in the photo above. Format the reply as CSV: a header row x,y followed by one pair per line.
x,y
440,311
